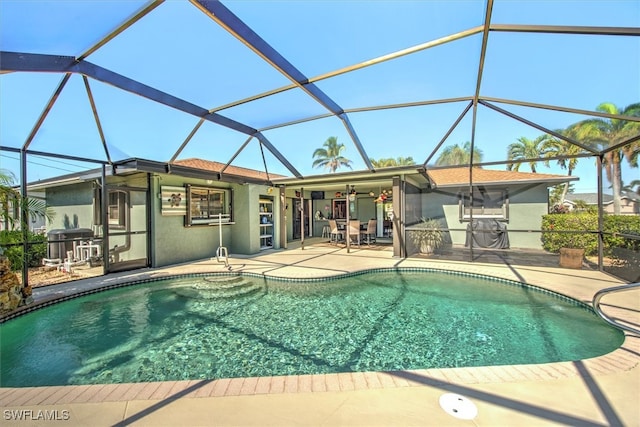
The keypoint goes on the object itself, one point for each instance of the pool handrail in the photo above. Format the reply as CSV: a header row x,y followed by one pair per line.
x,y
596,305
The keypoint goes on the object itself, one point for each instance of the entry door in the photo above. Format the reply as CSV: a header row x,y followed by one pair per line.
x,y
127,233
296,218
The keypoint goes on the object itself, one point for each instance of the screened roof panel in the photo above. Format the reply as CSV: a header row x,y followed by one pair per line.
x,y
322,36
179,50
567,70
137,127
614,13
83,137
60,27
293,104
211,142
549,119
19,113
381,130
298,142
440,72
197,64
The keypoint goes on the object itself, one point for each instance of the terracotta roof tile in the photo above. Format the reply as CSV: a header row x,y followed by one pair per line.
x,y
216,167
460,176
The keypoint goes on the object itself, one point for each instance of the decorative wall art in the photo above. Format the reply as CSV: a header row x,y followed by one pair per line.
x,y
174,200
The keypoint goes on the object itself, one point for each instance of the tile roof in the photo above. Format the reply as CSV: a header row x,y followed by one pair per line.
x,y
592,198
589,198
231,170
460,176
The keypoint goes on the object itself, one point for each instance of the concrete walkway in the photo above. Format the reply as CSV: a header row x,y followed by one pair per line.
x,y
602,391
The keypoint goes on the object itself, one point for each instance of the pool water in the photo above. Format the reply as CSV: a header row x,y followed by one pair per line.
x,y
207,328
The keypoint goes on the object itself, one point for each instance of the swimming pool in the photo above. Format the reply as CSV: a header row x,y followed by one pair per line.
x,y
239,326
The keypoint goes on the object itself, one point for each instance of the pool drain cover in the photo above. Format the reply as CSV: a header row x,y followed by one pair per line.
x,y
458,406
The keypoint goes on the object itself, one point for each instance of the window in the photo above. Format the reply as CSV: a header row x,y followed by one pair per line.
x,y
206,205
484,204
339,209
118,201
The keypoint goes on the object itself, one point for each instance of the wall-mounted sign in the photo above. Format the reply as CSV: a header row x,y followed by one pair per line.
x,y
174,200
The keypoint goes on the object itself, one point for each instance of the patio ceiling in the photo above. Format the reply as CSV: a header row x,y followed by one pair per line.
x,y
263,84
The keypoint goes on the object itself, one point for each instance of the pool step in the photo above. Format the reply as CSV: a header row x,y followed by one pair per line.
x,y
219,287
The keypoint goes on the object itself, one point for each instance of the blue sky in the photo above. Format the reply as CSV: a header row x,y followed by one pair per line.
x,y
179,50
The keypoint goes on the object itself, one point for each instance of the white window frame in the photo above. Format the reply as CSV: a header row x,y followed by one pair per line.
x,y
118,201
204,204
487,203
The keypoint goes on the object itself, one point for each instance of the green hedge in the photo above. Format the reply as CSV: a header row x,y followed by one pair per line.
x,y
586,226
11,243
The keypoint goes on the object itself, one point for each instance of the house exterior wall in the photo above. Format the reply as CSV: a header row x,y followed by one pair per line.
x,y
627,207
173,243
72,206
526,207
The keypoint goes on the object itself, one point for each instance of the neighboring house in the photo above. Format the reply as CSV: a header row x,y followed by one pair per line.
x,y
11,216
629,203
152,214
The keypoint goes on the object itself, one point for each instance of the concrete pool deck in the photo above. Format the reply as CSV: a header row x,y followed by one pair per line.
x,y
594,392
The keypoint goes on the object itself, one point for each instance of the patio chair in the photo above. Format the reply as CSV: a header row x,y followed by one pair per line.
x,y
370,233
353,231
335,234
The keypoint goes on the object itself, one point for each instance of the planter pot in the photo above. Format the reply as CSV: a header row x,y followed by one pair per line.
x,y
571,258
426,248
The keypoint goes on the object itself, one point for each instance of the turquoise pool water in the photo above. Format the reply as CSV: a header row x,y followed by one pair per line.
x,y
206,327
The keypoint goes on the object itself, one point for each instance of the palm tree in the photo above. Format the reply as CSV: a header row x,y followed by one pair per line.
x,y
632,187
459,155
330,157
388,162
555,147
525,150
609,132
11,197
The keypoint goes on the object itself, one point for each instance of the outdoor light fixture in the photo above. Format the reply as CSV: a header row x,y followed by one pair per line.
x,y
352,193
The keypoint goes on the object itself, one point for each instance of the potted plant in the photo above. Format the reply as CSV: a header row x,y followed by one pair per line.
x,y
427,236
571,255
569,235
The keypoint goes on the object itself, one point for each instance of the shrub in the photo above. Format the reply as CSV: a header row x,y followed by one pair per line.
x,y
586,224
555,225
11,243
627,224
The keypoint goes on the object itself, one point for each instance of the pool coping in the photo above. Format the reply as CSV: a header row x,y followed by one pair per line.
x,y
624,358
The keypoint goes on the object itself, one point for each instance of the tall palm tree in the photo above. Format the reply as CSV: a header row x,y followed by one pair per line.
x,y
11,197
609,132
459,155
554,147
387,162
331,157
525,150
